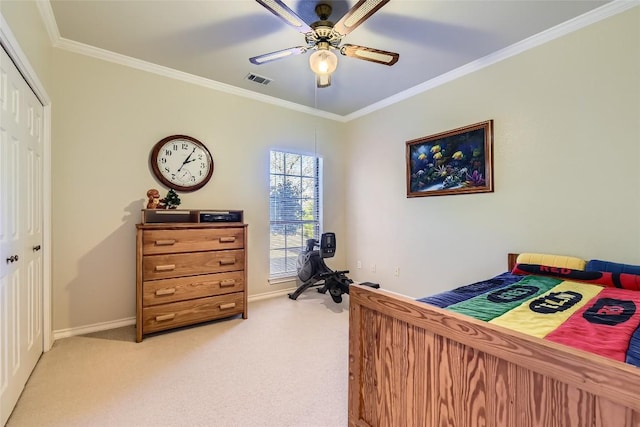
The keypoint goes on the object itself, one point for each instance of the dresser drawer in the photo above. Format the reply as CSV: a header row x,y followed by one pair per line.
x,y
188,264
172,315
192,240
184,288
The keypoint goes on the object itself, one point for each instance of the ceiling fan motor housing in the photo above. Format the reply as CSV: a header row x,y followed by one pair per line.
x,y
323,33
323,29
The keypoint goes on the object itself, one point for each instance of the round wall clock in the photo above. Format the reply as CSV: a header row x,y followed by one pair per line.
x,y
182,163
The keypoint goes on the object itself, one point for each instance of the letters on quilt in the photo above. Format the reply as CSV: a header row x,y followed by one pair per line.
x,y
616,280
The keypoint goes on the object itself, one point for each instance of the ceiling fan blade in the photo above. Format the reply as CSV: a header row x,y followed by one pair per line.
x,y
279,54
282,11
369,54
357,15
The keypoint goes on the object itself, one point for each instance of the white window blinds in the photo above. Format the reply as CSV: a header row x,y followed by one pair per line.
x,y
294,208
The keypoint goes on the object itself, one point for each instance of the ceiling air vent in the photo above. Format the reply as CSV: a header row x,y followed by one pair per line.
x,y
258,79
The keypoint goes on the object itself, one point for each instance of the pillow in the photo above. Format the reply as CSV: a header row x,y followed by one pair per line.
x,y
612,267
552,260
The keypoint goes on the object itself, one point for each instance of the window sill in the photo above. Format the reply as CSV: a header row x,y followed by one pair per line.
x,y
279,280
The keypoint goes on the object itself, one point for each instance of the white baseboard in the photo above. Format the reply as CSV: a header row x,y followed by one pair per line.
x,y
96,327
103,326
272,294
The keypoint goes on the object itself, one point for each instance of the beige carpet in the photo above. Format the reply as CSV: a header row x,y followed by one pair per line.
x,y
286,365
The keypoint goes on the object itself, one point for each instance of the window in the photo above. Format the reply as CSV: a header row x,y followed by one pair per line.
x,y
294,209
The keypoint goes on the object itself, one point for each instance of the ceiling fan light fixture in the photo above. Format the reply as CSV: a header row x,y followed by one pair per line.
x,y
323,62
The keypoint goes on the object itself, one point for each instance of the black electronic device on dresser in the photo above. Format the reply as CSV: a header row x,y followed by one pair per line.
x,y
221,216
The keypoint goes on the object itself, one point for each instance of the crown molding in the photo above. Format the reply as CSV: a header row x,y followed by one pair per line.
x,y
59,42
127,61
49,20
603,12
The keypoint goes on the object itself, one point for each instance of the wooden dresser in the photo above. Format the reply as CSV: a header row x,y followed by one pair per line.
x,y
189,272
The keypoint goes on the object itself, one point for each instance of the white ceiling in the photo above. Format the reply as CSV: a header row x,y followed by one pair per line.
x,y
214,39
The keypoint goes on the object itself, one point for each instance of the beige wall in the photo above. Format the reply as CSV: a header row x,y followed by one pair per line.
x,y
106,120
566,154
567,146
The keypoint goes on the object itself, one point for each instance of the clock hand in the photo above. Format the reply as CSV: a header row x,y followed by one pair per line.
x,y
187,159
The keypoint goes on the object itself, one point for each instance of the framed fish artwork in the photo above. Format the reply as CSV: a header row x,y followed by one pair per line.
x,y
457,161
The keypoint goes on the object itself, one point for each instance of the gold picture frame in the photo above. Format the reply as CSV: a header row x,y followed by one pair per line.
x,y
458,161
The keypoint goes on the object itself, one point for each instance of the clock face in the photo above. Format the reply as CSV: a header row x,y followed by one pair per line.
x,y
182,163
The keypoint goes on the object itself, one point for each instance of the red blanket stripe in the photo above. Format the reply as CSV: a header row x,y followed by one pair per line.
x,y
604,325
612,280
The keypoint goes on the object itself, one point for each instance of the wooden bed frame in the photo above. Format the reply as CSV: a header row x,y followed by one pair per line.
x,y
413,364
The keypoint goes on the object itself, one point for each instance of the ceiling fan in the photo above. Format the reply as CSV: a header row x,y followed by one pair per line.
x,y
324,37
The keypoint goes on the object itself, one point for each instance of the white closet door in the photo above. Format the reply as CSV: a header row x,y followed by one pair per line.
x,y
21,261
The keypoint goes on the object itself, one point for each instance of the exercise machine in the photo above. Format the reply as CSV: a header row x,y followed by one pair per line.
x,y
313,272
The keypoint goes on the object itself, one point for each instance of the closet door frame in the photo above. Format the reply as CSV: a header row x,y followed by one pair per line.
x,y
12,47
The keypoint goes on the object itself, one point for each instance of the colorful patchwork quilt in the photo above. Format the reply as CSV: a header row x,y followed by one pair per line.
x,y
593,311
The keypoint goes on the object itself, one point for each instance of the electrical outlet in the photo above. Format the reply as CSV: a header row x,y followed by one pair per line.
x,y
359,264
373,268
396,272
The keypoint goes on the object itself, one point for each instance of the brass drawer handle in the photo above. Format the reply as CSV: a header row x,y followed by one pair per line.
x,y
165,317
227,283
228,261
167,267
165,242
228,239
166,291
227,306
